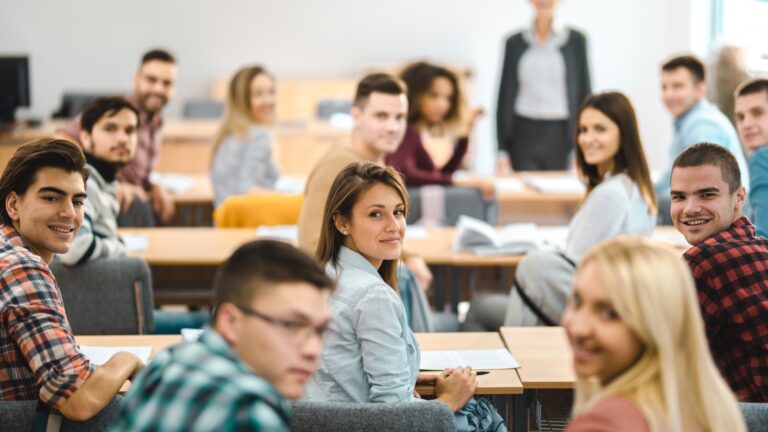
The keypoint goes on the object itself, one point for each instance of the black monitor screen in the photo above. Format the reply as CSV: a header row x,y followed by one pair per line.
x,y
14,86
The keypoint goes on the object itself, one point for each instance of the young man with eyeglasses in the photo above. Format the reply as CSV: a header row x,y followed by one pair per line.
x,y
263,345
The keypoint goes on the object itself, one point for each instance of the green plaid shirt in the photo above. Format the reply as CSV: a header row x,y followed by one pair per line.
x,y
201,386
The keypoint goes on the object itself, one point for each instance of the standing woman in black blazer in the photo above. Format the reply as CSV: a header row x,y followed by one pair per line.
x,y
544,79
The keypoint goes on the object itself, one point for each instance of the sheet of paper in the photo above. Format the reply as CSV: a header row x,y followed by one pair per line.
x,y
509,185
279,232
100,354
416,232
554,183
135,242
174,183
191,334
478,359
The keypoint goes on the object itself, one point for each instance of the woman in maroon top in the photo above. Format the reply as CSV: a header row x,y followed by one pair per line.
x,y
434,110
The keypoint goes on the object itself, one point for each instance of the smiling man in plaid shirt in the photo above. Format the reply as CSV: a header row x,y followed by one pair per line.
x,y
729,264
43,191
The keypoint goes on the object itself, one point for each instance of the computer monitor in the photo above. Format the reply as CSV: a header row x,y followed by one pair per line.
x,y
14,86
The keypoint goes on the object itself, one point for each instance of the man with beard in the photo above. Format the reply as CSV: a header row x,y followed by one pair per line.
x,y
154,84
109,134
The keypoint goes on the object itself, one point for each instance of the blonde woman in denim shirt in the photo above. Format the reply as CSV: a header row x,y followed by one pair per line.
x,y
370,353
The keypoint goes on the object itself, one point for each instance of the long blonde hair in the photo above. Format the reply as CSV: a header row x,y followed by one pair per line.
x,y
347,189
674,382
237,117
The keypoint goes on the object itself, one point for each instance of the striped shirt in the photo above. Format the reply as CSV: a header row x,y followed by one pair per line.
x,y
39,358
201,386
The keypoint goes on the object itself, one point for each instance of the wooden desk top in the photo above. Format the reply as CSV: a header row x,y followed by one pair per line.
x,y
211,246
190,246
503,381
157,342
544,354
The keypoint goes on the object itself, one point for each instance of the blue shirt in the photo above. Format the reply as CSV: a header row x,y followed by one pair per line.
x,y
201,386
758,195
370,353
703,122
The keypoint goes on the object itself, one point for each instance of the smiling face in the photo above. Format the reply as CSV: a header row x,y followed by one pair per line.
x,y
114,137
262,99
751,114
680,90
286,357
599,139
603,345
702,204
155,84
49,213
435,103
376,228
379,125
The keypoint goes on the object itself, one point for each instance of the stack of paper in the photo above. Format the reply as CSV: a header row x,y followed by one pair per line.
x,y
279,232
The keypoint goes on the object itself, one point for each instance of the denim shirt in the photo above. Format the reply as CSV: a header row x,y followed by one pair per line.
x,y
758,196
370,353
703,122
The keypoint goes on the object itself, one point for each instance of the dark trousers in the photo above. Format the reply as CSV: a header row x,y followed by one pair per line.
x,y
540,145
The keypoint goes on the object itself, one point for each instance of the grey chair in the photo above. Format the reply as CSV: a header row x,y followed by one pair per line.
x,y
203,109
458,201
371,417
20,416
755,415
107,296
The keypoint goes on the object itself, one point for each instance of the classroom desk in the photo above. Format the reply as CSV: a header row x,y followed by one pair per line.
x,y
546,362
184,260
544,354
157,342
498,382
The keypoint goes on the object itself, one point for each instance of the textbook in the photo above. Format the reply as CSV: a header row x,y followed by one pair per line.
x,y
480,237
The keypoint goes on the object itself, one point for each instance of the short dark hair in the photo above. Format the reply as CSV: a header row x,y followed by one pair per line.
x,y
159,55
377,82
98,108
258,265
418,77
21,170
692,63
705,153
751,86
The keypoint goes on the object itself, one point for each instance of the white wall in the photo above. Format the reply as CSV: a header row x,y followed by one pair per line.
x,y
96,44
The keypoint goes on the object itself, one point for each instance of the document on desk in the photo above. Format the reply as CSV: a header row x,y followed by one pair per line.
x,y
100,354
478,359
555,184
288,233
135,242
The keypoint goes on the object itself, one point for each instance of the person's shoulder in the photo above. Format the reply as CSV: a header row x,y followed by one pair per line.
x,y
516,39
617,187
576,35
612,414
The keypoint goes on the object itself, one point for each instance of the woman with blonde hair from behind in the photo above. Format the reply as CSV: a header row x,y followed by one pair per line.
x,y
639,350
243,147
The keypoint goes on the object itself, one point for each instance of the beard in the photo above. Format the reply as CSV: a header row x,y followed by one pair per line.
x,y
144,97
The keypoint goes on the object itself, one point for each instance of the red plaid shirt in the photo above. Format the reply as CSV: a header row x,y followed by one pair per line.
x,y
731,272
39,358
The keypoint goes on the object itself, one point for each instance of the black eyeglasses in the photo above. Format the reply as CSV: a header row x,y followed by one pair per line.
x,y
300,332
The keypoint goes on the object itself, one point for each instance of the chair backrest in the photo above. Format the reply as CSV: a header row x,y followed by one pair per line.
x,y
371,417
458,201
72,103
255,210
107,296
20,416
203,109
755,415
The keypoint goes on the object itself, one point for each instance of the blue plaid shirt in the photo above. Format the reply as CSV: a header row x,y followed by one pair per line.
x,y
201,386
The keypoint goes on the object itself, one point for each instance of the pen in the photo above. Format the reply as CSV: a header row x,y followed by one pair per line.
x,y
481,372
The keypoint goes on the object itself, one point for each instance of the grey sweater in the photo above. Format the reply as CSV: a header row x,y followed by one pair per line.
x,y
97,237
